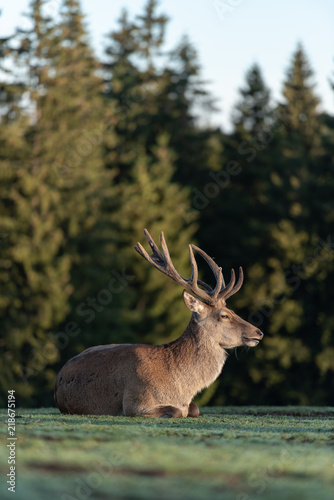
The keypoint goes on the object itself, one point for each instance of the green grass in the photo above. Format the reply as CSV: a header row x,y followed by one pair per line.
x,y
239,453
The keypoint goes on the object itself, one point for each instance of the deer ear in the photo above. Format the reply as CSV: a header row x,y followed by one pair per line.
x,y
193,303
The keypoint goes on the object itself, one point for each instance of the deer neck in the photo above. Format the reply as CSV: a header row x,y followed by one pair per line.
x,y
198,358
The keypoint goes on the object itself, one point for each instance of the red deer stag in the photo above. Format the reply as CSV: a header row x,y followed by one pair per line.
x,y
162,380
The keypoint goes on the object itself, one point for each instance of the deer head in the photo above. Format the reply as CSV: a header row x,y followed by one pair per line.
x,y
207,304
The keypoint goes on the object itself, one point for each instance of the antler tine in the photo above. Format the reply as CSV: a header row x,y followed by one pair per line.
x,y
160,261
163,262
152,244
194,281
141,250
169,266
219,283
165,249
189,284
217,271
194,268
226,291
237,286
156,259
204,285
212,264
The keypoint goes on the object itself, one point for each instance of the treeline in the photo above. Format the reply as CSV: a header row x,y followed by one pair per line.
x,y
92,151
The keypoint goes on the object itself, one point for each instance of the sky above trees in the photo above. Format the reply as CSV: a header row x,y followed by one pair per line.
x,y
229,35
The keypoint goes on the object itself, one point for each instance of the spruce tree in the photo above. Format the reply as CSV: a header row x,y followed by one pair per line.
x,y
131,80
139,83
296,262
34,275
153,310
12,150
154,92
238,177
301,105
57,191
253,113
240,208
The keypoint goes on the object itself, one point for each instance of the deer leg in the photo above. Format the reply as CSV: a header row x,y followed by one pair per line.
x,y
171,412
163,412
193,410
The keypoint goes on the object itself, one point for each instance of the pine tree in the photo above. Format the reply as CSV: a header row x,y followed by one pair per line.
x,y
131,80
153,310
325,204
301,105
57,191
237,179
12,149
296,265
253,113
154,92
238,207
33,276
138,84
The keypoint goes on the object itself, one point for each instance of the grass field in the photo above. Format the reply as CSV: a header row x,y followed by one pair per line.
x,y
239,453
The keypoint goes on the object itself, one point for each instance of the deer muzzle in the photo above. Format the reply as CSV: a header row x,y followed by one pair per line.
x,y
253,339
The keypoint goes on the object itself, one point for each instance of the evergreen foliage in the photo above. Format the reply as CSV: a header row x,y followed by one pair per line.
x,y
91,152
155,92
154,311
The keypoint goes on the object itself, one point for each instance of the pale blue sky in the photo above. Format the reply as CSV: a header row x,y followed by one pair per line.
x,y
229,35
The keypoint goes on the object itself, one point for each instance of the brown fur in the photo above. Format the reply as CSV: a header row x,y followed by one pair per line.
x,y
160,381
151,380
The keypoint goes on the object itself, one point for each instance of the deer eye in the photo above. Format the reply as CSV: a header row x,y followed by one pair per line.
x,y
224,316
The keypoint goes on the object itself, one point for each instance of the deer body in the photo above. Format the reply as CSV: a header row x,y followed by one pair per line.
x,y
159,381
140,378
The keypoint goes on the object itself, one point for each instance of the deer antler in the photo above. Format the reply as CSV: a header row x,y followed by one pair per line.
x,y
163,262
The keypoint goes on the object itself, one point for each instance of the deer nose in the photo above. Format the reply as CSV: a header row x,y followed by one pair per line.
x,y
260,334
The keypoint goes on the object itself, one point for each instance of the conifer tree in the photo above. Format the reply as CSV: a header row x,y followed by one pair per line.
x,y
130,76
57,190
139,83
34,277
153,310
241,209
12,150
298,257
301,105
239,176
253,113
154,92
